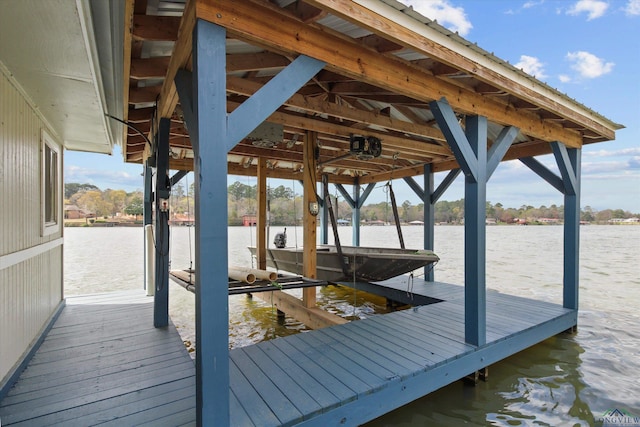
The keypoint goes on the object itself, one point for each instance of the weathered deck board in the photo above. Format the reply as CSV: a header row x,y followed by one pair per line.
x,y
103,362
389,360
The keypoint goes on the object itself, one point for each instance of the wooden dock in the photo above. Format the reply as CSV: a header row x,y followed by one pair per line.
x,y
103,362
350,374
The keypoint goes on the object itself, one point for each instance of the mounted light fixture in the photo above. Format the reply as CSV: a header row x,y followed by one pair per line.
x,y
267,135
365,147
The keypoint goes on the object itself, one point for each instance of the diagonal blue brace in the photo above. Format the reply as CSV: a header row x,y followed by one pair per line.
x,y
347,196
566,167
270,97
448,123
415,187
445,184
543,172
185,87
499,148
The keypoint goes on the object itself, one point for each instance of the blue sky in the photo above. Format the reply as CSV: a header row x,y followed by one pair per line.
x,y
588,49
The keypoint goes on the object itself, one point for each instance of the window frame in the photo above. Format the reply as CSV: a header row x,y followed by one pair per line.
x,y
50,192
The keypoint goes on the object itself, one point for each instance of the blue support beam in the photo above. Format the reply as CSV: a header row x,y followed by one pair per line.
x,y
544,173
444,185
365,194
429,218
211,259
569,163
415,186
270,97
346,195
147,210
475,202
500,148
203,98
355,215
448,123
177,177
163,189
470,149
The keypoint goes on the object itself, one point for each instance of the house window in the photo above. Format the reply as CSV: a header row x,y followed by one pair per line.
x,y
51,185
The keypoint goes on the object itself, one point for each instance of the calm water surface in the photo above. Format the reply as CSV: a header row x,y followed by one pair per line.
x,y
566,380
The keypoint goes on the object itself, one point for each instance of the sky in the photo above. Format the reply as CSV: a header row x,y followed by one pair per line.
x,y
587,49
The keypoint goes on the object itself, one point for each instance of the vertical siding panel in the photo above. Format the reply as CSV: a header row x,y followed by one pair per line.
x,y
30,290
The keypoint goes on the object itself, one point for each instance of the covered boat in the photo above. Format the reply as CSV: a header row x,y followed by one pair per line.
x,y
361,264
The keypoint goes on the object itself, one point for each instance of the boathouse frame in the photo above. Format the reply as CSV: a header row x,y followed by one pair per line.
x,y
319,71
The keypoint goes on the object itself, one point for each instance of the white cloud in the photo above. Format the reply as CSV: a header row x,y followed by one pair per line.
x,y
531,65
564,78
532,3
633,7
588,65
634,151
452,17
593,8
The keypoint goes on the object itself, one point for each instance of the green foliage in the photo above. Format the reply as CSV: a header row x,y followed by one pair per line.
x,y
73,187
286,208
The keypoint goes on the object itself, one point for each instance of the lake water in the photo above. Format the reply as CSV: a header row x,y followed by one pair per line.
x,y
566,380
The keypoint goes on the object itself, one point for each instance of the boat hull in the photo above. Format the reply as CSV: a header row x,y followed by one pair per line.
x,y
361,264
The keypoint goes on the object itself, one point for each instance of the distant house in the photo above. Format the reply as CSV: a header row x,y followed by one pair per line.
x,y
74,212
416,223
490,221
341,221
249,220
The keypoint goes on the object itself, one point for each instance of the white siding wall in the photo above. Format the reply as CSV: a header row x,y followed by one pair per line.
x,y
30,278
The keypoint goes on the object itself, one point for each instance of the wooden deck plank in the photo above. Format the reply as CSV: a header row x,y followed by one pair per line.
x,y
414,344
303,378
375,375
238,415
103,361
377,352
282,406
116,407
278,372
340,368
90,379
329,380
252,403
88,369
173,413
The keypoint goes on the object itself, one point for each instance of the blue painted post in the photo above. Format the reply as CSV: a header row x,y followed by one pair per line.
x,y
211,263
148,194
429,219
147,211
475,205
355,215
570,167
161,295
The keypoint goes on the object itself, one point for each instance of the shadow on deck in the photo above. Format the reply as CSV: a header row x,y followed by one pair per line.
x,y
104,363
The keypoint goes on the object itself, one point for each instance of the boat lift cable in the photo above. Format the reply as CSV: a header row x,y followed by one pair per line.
x,y
336,237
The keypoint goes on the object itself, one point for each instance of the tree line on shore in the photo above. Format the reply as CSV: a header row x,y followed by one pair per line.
x,y
285,206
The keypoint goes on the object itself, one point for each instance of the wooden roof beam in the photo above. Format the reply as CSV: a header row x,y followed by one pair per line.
x,y
316,105
155,28
254,22
389,29
149,68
